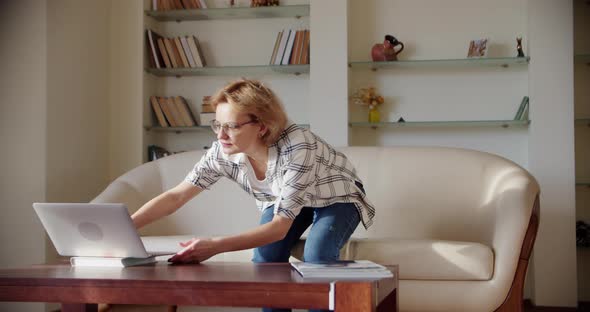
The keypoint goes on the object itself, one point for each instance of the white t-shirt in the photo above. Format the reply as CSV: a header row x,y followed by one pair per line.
x,y
261,186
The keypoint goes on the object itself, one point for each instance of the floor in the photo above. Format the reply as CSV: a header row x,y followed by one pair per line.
x,y
582,307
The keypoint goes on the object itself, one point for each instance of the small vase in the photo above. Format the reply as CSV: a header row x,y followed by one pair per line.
x,y
374,115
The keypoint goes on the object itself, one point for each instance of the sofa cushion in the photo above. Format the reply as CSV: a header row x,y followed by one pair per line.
x,y
430,259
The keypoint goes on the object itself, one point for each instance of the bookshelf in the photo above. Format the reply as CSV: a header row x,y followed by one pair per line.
x,y
225,35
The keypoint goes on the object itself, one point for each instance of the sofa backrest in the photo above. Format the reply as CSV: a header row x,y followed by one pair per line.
x,y
418,192
438,192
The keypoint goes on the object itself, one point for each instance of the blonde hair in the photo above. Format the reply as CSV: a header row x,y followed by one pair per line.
x,y
253,98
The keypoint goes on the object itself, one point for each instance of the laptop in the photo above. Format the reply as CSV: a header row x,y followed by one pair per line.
x,y
92,230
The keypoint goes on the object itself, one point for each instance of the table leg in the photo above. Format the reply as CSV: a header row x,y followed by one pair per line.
x,y
79,307
354,297
389,304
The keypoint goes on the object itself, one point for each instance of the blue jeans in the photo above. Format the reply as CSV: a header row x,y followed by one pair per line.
x,y
331,228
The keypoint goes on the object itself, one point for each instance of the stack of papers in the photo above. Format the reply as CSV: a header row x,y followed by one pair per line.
x,y
356,269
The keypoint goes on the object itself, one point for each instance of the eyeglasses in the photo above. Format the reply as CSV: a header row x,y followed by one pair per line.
x,y
229,127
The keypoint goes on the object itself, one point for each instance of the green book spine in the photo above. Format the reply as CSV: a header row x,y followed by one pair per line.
x,y
525,112
521,108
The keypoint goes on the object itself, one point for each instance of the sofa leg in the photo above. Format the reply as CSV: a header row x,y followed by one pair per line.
x,y
514,300
172,308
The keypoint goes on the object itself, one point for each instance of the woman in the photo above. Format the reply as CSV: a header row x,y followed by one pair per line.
x,y
297,179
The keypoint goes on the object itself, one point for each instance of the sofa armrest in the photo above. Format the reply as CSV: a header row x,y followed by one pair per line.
x,y
516,205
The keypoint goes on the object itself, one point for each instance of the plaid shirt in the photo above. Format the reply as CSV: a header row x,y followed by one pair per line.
x,y
302,168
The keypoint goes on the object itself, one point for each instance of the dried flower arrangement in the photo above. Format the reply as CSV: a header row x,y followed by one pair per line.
x,y
367,97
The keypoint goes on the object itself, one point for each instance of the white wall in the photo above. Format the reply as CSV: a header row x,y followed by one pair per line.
x,y
54,117
329,74
551,149
22,134
125,83
441,30
77,99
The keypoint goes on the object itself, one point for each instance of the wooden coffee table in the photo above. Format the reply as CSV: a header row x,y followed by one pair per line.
x,y
208,284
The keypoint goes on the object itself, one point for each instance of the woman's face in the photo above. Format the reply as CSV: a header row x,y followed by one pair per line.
x,y
241,139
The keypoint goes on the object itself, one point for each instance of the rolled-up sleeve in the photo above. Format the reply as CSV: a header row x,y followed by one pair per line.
x,y
207,171
298,176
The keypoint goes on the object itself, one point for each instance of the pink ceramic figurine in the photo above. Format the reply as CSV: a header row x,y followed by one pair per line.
x,y
386,51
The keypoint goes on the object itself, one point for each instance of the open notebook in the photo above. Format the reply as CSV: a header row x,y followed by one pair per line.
x,y
97,234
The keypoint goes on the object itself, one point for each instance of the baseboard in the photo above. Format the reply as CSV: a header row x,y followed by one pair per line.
x,y
583,306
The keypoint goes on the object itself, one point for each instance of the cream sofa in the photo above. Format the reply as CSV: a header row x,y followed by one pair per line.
x,y
459,223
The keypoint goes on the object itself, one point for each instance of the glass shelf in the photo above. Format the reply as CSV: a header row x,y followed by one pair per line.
x,y
486,62
582,122
296,11
582,58
192,129
230,70
458,123
180,129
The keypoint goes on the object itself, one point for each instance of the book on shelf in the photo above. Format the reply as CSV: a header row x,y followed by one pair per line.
x,y
195,48
207,114
166,5
282,46
275,50
178,5
167,111
175,52
288,48
525,112
297,48
172,111
305,53
206,118
158,112
164,52
156,152
351,269
110,261
291,47
187,52
521,109
171,52
199,50
189,5
176,120
155,56
180,49
185,112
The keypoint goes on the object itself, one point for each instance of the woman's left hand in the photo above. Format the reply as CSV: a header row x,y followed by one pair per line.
x,y
195,250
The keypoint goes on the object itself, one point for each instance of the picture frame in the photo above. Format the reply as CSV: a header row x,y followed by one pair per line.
x,y
478,48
